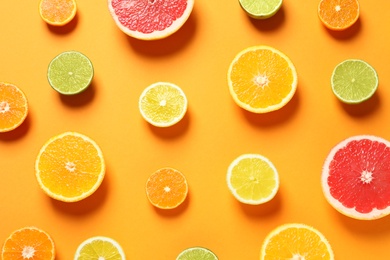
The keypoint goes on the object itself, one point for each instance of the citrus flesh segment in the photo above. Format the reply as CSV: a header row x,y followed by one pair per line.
x,y
28,243
57,12
356,177
13,107
338,14
354,81
296,241
262,79
252,179
70,72
98,248
70,167
197,253
163,104
150,19
166,188
261,9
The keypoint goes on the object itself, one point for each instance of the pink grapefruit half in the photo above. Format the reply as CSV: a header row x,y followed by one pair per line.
x,y
150,19
356,177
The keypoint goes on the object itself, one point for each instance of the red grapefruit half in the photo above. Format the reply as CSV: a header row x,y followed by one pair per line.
x,y
150,19
356,177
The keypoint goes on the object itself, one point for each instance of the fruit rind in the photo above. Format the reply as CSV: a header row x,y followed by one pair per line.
x,y
156,35
101,238
233,189
85,194
283,227
349,212
260,15
275,107
348,101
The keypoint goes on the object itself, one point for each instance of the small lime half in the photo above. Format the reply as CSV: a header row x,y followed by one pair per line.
x,y
354,81
261,9
196,253
70,72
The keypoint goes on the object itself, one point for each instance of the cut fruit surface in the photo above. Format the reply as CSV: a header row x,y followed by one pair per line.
x,y
163,104
197,253
252,179
166,188
99,248
338,14
262,79
354,81
70,72
356,177
150,19
28,243
261,9
70,167
13,107
296,241
57,12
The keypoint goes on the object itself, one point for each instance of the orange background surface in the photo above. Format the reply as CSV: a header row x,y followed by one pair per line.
x,y
215,130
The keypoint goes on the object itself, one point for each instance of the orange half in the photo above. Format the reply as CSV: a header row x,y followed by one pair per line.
x,y
262,79
28,243
57,12
13,107
338,14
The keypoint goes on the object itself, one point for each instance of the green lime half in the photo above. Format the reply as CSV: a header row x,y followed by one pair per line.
x,y
261,9
197,253
70,72
354,81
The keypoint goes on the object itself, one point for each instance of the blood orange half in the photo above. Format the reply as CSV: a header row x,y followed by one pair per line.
x,y
150,19
356,177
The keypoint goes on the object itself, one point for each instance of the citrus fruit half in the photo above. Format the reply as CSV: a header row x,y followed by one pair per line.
x,y
70,72
98,248
354,81
252,179
150,19
197,253
13,107
163,104
261,9
28,243
356,177
338,15
57,12
262,79
70,167
166,188
295,241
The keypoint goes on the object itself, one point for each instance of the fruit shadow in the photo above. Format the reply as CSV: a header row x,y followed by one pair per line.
x,y
79,99
265,210
87,205
64,29
271,23
370,228
171,213
348,33
172,132
275,117
363,109
18,132
170,44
